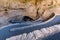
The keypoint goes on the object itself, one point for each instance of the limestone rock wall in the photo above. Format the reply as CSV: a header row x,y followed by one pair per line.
x,y
32,8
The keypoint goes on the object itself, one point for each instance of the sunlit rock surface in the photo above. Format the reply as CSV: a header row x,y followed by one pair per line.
x,y
35,9
32,8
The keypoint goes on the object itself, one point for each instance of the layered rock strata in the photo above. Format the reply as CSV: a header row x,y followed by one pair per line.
x,y
35,9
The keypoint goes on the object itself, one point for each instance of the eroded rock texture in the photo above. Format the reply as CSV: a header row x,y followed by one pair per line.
x,y
33,8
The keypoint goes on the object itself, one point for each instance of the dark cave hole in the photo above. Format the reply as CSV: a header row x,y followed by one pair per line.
x,y
27,18
24,19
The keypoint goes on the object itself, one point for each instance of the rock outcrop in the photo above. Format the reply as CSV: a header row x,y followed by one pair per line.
x,y
35,9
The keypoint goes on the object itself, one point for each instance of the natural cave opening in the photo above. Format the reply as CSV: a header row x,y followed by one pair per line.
x,y
27,18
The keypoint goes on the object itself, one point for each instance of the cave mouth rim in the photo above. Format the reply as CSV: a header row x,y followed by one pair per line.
x,y
51,16
27,18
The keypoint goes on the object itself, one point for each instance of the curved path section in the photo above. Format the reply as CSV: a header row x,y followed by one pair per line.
x,y
17,29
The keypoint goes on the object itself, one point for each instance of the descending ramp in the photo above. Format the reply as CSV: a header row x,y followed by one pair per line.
x,y
17,29
41,34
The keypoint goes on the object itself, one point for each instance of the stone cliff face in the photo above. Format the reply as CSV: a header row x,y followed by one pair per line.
x,y
32,8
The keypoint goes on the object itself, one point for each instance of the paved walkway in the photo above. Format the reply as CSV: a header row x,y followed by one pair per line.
x,y
37,34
